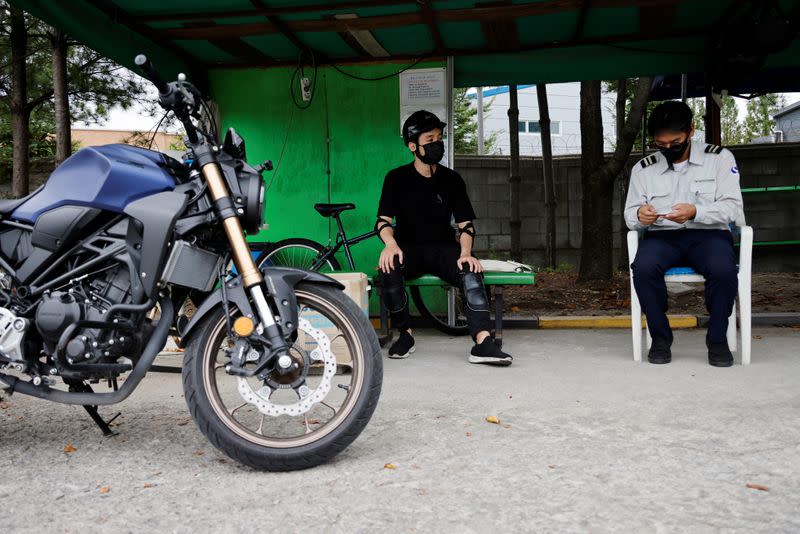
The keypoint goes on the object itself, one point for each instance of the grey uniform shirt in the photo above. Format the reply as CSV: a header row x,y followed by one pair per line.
x,y
710,181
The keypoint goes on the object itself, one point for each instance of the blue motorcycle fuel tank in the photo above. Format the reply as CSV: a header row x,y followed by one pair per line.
x,y
105,177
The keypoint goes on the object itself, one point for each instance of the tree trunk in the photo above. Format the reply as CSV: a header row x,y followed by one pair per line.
x,y
61,100
514,179
623,177
596,236
547,174
20,115
597,176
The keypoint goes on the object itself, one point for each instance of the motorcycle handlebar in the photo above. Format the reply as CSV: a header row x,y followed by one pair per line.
x,y
152,74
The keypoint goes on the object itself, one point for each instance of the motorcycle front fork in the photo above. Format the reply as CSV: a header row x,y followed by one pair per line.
x,y
251,276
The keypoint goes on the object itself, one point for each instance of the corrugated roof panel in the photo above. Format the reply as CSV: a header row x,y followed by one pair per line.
x,y
273,45
463,35
611,21
205,51
414,39
180,6
547,28
331,43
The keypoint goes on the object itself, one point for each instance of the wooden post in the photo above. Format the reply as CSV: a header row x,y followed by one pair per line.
x,y
713,121
547,174
514,178
624,177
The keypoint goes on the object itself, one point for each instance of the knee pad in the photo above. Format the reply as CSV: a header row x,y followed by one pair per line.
x,y
395,298
474,292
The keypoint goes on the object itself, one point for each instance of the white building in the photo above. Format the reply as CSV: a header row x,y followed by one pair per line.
x,y
564,102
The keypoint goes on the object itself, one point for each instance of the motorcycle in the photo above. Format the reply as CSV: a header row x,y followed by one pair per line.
x,y
281,369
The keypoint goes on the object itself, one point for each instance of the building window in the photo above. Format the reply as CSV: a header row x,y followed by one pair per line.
x,y
532,127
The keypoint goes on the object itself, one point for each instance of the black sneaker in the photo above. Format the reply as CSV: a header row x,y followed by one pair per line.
x,y
719,355
489,353
402,347
660,352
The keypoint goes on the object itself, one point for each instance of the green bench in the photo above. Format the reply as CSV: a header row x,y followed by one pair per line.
x,y
494,280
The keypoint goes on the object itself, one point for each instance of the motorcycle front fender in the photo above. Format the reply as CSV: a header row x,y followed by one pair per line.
x,y
280,282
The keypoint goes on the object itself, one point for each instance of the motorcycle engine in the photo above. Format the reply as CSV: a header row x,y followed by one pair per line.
x,y
87,300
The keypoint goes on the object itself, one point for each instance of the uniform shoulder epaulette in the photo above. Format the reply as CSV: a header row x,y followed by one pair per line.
x,y
713,149
649,160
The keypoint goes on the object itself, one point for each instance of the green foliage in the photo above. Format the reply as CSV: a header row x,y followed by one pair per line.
x,y
758,122
95,85
465,125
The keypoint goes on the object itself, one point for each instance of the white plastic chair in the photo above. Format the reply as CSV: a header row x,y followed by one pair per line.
x,y
686,274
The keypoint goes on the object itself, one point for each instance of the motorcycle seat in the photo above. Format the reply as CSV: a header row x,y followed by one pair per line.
x,y
327,210
8,205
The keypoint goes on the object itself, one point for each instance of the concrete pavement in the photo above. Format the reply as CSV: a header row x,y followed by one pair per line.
x,y
587,441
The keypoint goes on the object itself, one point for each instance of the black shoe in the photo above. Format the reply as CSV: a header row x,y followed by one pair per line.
x,y
719,355
489,353
402,347
659,351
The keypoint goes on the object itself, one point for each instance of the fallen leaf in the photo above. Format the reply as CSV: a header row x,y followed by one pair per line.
x,y
551,466
493,419
469,434
758,337
313,421
759,487
222,460
389,466
415,466
4,406
69,448
198,453
515,309
148,485
506,425
105,489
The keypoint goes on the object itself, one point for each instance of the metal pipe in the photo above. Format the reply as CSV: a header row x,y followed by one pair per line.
x,y
481,148
154,346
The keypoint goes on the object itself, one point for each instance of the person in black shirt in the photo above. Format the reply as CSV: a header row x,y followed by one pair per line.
x,y
424,197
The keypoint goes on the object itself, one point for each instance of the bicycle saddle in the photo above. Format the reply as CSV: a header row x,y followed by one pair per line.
x,y
326,210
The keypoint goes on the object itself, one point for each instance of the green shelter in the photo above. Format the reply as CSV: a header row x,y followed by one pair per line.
x,y
246,54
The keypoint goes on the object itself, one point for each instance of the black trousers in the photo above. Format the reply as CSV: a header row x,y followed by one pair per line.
x,y
438,259
709,252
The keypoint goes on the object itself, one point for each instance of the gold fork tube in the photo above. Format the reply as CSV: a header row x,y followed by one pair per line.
x,y
233,228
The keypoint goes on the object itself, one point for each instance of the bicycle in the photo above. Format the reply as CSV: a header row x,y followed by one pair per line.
x,y
307,254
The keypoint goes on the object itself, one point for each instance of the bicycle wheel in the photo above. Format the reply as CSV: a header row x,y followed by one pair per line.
x,y
299,253
458,327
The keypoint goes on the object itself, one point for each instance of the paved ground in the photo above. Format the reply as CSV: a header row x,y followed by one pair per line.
x,y
588,441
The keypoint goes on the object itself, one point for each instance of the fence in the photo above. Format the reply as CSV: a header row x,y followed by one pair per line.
x,y
775,216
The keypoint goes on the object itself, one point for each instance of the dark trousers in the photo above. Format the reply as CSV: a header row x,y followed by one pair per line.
x,y
438,259
709,252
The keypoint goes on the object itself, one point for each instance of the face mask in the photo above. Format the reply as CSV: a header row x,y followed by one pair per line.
x,y
673,153
433,152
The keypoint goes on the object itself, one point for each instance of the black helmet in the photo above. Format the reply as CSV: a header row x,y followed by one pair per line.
x,y
418,123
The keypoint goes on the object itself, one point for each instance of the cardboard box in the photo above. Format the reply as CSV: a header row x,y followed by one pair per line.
x,y
356,287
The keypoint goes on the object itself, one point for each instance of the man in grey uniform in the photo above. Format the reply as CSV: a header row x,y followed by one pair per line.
x,y
685,196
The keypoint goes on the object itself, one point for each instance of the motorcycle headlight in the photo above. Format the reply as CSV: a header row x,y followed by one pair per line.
x,y
253,188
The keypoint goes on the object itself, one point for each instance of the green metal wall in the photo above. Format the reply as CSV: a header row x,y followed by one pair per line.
x,y
363,118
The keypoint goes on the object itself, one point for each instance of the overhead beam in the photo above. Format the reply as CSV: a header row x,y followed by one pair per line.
x,y
429,16
582,14
481,14
270,11
500,34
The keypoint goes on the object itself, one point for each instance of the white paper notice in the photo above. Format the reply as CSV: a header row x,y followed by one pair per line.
x,y
423,89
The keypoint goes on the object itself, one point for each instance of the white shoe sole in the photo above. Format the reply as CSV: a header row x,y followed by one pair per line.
x,y
490,360
403,356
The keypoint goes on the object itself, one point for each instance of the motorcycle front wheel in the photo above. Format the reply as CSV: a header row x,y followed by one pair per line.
x,y
288,422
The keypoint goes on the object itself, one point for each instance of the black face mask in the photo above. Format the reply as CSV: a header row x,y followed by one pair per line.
x,y
673,153
433,152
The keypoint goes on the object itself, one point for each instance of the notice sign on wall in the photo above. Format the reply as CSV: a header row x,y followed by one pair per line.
x,y
424,89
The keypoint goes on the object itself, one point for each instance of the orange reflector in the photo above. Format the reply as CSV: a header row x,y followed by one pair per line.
x,y
243,326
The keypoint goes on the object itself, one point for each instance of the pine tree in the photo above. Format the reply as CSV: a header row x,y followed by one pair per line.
x,y
465,125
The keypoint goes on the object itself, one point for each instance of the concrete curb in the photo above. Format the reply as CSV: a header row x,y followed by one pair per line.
x,y
608,321
617,321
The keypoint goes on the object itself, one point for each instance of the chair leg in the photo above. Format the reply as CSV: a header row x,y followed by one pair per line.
x,y
636,325
732,330
745,319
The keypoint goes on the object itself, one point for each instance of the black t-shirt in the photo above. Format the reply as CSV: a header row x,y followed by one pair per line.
x,y
423,207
